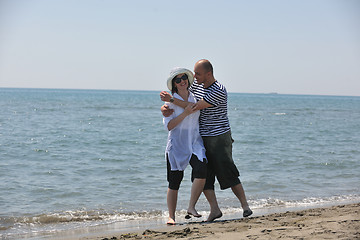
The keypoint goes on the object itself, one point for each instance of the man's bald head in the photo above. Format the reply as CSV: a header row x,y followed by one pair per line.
x,y
204,73
206,65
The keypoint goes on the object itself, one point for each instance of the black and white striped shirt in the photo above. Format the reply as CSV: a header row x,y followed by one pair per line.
x,y
213,120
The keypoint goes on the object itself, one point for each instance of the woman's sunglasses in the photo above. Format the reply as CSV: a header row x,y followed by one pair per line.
x,y
178,80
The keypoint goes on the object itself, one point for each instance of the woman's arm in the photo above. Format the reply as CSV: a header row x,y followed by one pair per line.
x,y
176,121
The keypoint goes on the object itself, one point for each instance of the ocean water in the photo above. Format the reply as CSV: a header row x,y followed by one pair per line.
x,y
75,159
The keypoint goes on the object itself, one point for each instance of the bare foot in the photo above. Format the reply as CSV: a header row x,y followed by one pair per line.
x,y
247,212
171,222
214,216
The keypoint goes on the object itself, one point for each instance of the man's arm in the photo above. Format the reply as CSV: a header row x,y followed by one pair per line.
x,y
166,111
165,96
202,104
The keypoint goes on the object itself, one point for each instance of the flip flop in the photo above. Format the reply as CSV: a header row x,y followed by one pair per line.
x,y
189,215
171,222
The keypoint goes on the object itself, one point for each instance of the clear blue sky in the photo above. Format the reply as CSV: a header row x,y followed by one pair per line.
x,y
284,46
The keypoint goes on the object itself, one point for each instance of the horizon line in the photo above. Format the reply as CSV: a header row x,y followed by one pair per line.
x,y
99,89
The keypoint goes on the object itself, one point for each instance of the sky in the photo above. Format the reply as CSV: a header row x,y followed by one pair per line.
x,y
260,46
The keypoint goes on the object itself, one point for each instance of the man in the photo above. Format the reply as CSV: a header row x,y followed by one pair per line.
x,y
216,133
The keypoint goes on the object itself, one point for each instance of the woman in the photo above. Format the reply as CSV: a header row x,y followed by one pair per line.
x,y
184,144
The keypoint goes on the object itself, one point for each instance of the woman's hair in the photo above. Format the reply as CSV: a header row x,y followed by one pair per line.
x,y
174,88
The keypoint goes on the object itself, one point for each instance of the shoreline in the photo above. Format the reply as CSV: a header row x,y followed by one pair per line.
x,y
155,224
335,222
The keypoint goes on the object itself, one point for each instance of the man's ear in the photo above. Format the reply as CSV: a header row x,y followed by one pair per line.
x,y
208,74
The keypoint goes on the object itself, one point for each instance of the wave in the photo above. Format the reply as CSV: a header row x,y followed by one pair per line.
x,y
7,222
306,202
104,216
68,221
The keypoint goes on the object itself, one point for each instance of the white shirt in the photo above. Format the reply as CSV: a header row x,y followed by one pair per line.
x,y
183,140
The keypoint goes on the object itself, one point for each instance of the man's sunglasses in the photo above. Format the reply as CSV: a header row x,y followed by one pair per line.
x,y
178,80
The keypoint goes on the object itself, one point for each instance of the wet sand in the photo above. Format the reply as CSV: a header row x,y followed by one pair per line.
x,y
338,222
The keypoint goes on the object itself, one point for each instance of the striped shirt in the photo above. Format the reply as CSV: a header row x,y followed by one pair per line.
x,y
213,120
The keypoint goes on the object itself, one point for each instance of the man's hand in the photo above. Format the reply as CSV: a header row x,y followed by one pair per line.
x,y
202,104
166,111
165,96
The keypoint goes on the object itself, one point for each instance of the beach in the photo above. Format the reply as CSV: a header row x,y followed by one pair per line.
x,y
336,222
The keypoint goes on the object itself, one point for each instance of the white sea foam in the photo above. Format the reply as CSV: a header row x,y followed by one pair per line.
x,y
68,221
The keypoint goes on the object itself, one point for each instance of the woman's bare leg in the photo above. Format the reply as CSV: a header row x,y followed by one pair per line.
x,y
196,190
172,196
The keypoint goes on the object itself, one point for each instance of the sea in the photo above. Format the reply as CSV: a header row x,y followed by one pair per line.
x,y
80,162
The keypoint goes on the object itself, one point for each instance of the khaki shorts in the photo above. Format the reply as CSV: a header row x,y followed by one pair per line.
x,y
220,162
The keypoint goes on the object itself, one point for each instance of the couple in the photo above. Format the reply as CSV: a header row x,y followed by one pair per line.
x,y
192,131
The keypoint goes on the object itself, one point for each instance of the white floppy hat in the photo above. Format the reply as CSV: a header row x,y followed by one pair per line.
x,y
177,71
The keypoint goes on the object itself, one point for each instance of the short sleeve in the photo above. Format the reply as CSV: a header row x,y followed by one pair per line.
x,y
215,97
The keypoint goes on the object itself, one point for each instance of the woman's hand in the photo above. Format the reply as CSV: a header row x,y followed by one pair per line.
x,y
176,121
165,96
190,109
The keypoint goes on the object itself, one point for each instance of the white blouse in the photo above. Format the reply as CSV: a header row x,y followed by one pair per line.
x,y
183,140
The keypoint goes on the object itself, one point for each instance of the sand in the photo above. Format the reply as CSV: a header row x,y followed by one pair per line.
x,y
338,222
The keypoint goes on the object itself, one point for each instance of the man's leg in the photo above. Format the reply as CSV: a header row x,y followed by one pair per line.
x,y
215,211
209,192
239,192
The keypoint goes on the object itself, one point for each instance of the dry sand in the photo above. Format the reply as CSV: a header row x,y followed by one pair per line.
x,y
338,222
